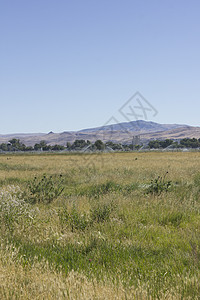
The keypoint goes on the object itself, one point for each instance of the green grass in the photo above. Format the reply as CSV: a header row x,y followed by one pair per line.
x,y
106,224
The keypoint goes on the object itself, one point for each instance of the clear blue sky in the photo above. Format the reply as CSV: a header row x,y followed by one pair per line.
x,y
68,65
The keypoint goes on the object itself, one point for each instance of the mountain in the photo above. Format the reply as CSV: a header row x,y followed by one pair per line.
x,y
119,133
140,125
175,134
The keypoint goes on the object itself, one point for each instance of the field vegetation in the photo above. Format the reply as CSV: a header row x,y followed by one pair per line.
x,y
100,226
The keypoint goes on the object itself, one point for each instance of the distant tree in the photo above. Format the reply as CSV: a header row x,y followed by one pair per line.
x,y
186,142
99,145
175,145
57,148
154,144
37,147
113,145
190,143
137,147
44,146
29,148
78,144
166,143
127,147
4,147
68,145
16,145
14,142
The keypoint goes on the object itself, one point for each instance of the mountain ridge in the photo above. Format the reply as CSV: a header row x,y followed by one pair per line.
x,y
135,125
119,133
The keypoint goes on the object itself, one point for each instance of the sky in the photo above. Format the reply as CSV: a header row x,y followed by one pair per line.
x,y
68,65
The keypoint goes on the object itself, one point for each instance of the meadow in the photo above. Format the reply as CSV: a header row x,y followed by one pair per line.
x,y
100,226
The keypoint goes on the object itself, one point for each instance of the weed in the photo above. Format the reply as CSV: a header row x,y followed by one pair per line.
x,y
101,212
174,219
74,219
13,208
45,189
159,185
80,221
99,190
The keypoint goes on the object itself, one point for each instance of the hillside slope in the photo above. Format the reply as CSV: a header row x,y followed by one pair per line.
x,y
120,133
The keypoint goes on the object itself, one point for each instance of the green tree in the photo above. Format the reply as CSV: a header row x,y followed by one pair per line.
x,y
57,148
68,145
79,144
4,147
99,145
29,148
16,145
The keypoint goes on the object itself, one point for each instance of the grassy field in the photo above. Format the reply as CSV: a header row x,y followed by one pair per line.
x,y
100,226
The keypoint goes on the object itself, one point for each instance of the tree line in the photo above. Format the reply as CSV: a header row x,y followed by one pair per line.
x,y
183,143
17,145
98,145
77,145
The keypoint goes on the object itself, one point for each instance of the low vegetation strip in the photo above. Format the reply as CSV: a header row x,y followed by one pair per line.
x,y
15,145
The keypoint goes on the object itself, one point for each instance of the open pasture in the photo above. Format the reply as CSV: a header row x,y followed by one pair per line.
x,y
100,226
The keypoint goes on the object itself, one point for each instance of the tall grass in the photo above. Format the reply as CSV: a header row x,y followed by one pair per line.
x,y
105,236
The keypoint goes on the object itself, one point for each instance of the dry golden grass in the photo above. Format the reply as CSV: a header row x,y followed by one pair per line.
x,y
143,165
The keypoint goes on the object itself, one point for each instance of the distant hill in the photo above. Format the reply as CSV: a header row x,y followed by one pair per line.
x,y
140,125
120,133
175,134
